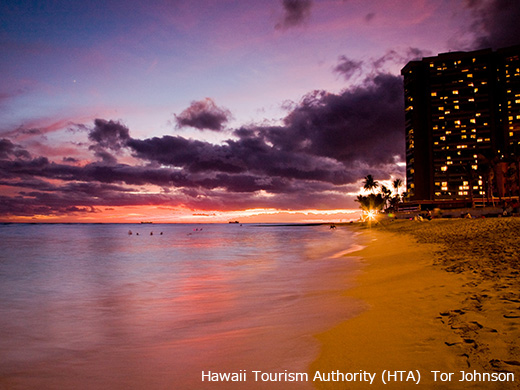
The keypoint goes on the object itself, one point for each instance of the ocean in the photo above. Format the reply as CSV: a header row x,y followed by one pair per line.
x,y
90,306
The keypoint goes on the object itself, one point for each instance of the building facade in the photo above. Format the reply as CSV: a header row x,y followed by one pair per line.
x,y
462,113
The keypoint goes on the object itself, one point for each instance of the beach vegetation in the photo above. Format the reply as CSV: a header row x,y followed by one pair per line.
x,y
386,193
397,184
383,199
370,183
371,202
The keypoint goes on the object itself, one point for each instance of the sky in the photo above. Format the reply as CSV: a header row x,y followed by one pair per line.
x,y
214,110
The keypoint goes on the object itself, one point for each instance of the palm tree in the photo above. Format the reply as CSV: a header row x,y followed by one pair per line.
x,y
370,202
397,183
370,183
386,194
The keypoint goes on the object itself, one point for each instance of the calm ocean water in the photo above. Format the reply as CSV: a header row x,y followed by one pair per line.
x,y
89,306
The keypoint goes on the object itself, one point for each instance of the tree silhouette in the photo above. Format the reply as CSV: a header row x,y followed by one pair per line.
x,y
397,183
370,202
370,183
386,194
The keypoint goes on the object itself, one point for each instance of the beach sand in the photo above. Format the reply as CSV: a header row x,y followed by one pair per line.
x,y
441,295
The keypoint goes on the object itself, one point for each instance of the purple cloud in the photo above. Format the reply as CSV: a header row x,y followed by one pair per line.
x,y
204,115
296,12
348,67
109,134
496,23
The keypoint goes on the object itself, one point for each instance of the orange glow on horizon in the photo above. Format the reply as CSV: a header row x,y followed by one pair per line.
x,y
165,214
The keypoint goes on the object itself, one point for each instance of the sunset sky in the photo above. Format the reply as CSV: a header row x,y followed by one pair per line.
x,y
214,110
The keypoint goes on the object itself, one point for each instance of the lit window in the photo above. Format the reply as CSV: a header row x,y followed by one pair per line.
x,y
434,93
444,168
455,92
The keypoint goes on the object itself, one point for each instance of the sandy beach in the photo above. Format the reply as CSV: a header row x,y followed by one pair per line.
x,y
441,296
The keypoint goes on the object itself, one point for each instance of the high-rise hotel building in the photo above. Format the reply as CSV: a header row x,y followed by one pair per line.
x,y
462,113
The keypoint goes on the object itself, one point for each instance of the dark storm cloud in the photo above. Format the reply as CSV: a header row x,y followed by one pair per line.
x,y
496,23
329,138
109,134
204,115
8,149
249,154
296,12
348,67
362,126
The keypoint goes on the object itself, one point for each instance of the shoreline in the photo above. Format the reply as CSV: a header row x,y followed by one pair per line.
x,y
441,296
